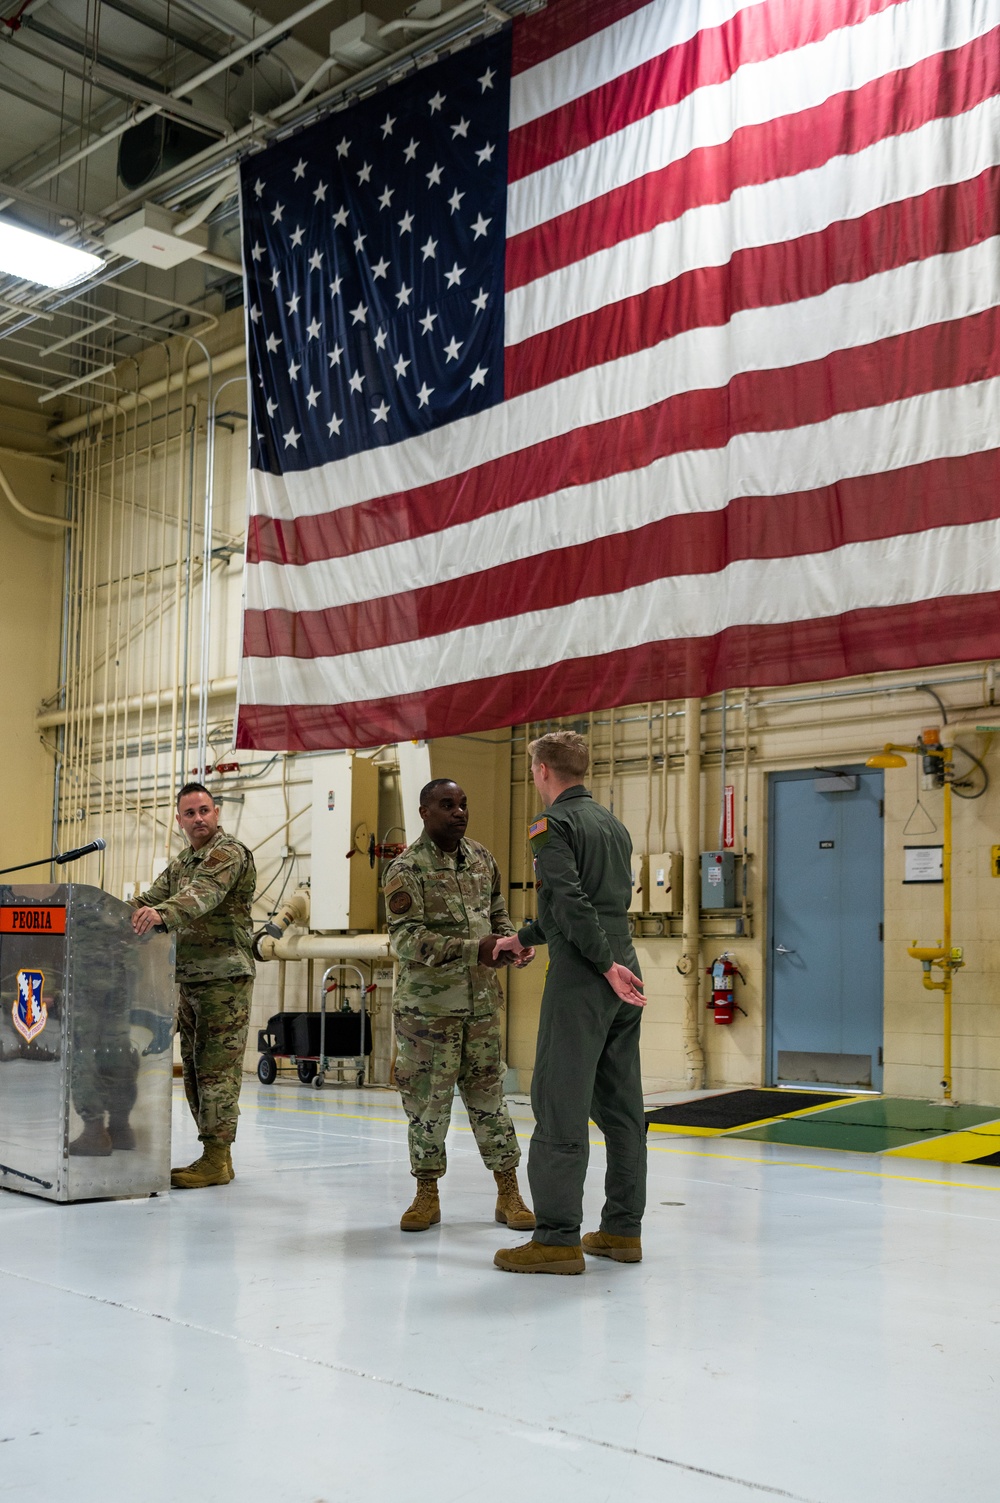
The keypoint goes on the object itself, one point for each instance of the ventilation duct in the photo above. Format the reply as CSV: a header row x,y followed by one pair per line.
x,y
156,145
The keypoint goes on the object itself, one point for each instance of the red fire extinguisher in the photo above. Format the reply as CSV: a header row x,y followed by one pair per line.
x,y
723,1002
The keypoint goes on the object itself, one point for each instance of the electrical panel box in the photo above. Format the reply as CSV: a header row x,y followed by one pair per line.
x,y
638,903
344,883
718,879
666,887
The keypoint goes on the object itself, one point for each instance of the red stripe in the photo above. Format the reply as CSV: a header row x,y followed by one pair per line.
x,y
562,24
940,493
942,86
710,57
940,221
951,354
954,629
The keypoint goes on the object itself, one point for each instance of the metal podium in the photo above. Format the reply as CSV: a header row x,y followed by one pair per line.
x,y
86,1028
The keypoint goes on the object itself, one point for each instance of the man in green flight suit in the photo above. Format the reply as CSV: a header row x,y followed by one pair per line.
x,y
587,1057
205,896
445,913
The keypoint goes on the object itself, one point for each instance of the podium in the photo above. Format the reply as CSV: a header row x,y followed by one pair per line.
x,y
86,1029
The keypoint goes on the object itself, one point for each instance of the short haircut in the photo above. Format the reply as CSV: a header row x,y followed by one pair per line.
x,y
195,788
565,752
429,788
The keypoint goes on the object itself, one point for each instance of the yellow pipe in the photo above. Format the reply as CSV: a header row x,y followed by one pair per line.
x,y
940,954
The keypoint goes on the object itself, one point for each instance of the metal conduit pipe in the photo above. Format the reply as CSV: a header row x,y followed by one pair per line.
x,y
166,384
689,964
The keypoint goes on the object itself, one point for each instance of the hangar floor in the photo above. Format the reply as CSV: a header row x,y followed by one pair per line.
x,y
805,1325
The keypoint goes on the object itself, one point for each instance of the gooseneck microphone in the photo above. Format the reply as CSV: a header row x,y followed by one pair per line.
x,y
83,850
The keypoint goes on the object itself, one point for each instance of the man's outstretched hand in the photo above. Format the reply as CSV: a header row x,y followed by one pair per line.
x,y
625,984
510,949
493,953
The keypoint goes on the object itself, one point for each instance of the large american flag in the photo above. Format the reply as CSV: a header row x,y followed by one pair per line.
x,y
641,350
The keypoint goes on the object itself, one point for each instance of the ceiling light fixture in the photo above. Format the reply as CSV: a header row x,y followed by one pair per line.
x,y
37,258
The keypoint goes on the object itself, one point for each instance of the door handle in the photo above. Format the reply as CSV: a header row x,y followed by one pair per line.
x,y
780,950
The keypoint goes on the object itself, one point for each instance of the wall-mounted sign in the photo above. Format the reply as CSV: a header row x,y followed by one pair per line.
x,y
923,863
826,845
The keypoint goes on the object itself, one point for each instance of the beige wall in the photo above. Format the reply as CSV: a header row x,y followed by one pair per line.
x,y
31,588
826,731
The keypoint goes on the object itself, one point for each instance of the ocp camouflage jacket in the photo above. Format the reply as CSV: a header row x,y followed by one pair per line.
x,y
438,906
204,897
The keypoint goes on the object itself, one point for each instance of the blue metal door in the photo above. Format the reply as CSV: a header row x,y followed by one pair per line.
x,y
825,940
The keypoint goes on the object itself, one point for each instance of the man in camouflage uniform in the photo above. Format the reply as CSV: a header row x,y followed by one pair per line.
x,y
445,914
205,896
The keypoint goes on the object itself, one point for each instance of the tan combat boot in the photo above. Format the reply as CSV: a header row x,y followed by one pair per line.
x,y
211,1169
229,1161
538,1257
94,1142
425,1210
511,1210
607,1245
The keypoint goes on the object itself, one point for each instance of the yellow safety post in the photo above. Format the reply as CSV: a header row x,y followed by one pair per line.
x,y
944,955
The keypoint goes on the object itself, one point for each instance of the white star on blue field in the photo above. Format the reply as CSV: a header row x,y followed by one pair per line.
x,y
374,254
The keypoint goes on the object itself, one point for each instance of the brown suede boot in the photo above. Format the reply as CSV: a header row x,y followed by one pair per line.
x,y
425,1210
94,1142
607,1245
211,1169
538,1257
121,1133
511,1210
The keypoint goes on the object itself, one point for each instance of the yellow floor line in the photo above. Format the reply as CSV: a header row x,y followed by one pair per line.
x,y
953,1147
722,1132
736,1158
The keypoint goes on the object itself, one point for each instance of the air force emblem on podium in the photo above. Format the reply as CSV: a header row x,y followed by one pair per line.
x,y
29,1012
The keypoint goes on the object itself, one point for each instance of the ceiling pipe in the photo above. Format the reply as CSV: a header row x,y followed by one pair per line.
x,y
182,90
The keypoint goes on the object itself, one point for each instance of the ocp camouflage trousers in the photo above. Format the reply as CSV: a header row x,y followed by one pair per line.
x,y
434,1054
212,1020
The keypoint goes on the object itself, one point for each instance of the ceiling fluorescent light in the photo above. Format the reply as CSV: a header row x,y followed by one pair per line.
x,y
37,258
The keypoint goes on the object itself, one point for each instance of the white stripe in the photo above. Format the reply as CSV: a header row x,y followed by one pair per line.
x,y
609,54
942,151
779,86
755,592
908,297
874,441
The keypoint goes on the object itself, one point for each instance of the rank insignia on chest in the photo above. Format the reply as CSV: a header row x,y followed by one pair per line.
x,y
29,1011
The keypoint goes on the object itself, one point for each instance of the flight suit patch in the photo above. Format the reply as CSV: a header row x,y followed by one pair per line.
x,y
400,902
538,833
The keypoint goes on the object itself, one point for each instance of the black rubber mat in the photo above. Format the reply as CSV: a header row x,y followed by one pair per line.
x,y
736,1108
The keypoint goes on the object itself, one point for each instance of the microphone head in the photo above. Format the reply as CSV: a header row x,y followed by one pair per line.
x,y
98,844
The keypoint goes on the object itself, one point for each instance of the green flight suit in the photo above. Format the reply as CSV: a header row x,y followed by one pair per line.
x,y
587,1057
204,897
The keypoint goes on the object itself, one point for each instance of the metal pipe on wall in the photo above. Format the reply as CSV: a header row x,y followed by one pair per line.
x,y
689,964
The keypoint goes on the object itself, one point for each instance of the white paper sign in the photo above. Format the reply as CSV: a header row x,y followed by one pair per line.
x,y
923,863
